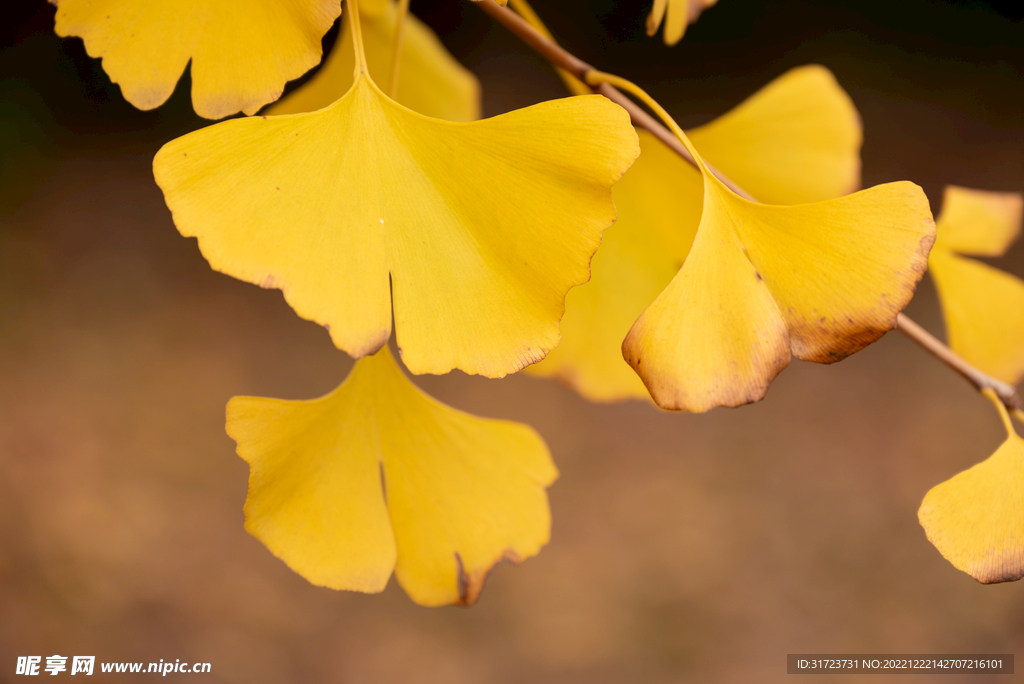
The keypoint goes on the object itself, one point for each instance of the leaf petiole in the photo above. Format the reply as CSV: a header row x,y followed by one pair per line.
x,y
357,41
396,52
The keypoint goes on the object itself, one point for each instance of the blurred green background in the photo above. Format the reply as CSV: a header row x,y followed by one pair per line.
x,y
684,548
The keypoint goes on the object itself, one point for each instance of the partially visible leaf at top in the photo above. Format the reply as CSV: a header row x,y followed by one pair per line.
x,y
676,15
471,233
430,80
796,140
242,51
983,306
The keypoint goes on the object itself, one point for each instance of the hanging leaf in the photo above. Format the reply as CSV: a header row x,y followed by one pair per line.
x,y
762,282
796,140
377,476
974,519
471,233
983,306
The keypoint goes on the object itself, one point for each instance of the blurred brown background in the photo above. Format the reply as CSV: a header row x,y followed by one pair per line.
x,y
685,548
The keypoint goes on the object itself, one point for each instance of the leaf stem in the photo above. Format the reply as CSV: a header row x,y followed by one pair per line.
x,y
1001,407
596,78
603,83
357,40
396,52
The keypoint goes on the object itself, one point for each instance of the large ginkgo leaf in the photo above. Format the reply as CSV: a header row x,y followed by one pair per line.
x,y
242,51
471,232
819,281
795,140
975,519
377,476
430,80
677,15
983,306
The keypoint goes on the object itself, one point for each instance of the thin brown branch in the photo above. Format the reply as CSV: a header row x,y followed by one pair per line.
x,y
548,49
564,59
560,57
1007,394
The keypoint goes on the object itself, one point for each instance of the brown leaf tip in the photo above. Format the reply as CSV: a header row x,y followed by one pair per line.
x,y
1006,566
471,584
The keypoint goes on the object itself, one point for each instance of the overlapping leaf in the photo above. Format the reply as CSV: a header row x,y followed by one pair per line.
x,y
659,205
471,233
377,476
983,306
796,140
975,519
762,283
676,15
430,80
242,51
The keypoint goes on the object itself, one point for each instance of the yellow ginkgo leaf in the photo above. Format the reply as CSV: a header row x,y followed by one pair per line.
x,y
430,80
242,51
471,233
983,306
796,140
978,222
984,312
975,519
377,476
677,15
820,281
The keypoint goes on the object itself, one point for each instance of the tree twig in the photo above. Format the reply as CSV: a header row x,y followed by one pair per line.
x,y
1007,394
562,58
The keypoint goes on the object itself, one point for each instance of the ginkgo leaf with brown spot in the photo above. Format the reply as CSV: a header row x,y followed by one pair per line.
x,y
377,476
762,283
242,51
430,80
796,140
983,307
975,519
471,233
